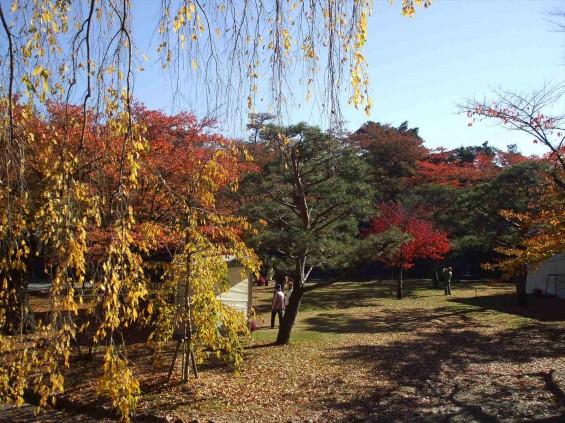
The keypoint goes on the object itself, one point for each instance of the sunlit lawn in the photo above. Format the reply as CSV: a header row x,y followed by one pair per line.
x,y
359,354
343,308
472,356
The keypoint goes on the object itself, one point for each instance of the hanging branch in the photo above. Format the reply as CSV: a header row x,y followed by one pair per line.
x,y
11,76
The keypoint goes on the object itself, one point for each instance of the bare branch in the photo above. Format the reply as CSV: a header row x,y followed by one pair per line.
x,y
525,112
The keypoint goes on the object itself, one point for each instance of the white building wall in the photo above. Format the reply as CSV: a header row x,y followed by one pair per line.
x,y
542,276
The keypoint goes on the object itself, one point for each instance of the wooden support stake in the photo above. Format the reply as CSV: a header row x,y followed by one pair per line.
x,y
185,362
173,362
194,369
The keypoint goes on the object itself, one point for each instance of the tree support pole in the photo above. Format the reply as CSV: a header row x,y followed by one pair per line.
x,y
173,362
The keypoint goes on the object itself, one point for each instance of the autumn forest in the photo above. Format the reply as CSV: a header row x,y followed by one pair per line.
x,y
124,216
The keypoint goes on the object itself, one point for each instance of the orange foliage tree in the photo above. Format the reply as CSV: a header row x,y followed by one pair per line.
x,y
539,226
98,217
392,153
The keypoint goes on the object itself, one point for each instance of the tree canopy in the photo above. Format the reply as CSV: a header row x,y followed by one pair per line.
x,y
311,192
415,238
91,222
393,154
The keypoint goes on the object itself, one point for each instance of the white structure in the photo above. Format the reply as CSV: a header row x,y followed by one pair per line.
x,y
240,292
548,277
238,296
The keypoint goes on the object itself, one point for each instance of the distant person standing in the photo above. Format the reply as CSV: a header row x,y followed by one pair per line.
x,y
270,275
288,293
277,306
261,281
447,273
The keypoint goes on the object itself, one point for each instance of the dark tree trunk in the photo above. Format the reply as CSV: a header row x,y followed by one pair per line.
x,y
300,276
436,278
279,277
399,285
18,317
522,297
283,336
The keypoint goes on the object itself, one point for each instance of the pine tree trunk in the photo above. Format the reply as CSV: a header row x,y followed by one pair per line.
x,y
399,285
279,277
283,336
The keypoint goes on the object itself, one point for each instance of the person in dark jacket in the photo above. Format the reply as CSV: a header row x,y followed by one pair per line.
x,y
447,273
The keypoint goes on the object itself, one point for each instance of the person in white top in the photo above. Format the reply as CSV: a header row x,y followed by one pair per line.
x,y
278,305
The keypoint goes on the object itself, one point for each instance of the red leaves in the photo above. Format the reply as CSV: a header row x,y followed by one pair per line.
x,y
425,241
180,157
442,167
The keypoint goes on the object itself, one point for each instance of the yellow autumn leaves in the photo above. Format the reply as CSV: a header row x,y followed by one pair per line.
x,y
262,43
274,39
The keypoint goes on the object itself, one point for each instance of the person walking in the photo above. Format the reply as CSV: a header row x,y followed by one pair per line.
x,y
277,306
447,273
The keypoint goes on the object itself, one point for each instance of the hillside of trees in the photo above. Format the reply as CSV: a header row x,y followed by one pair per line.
x,y
126,214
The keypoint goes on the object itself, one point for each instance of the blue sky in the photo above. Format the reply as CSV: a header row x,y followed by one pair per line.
x,y
421,67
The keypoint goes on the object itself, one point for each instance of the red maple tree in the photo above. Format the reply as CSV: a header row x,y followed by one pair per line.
x,y
440,167
418,239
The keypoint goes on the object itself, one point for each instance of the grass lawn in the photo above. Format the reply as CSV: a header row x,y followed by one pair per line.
x,y
358,354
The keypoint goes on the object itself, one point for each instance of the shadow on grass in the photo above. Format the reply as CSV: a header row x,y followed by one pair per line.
x,y
443,373
345,295
342,295
260,346
390,321
456,316
432,370
544,309
262,297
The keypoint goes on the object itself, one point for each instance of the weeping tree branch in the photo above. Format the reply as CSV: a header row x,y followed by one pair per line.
x,y
11,76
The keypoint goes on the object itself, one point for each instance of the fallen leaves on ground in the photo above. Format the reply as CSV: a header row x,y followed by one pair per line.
x,y
474,356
